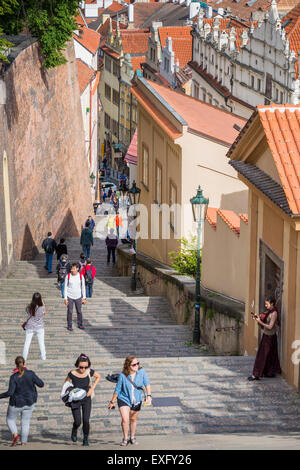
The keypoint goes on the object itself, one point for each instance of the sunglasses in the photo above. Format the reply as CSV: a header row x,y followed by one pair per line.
x,y
82,367
136,364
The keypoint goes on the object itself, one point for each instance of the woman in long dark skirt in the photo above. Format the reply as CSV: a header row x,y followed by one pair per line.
x,y
267,361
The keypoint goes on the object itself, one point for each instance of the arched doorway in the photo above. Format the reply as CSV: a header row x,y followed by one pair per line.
x,y
9,243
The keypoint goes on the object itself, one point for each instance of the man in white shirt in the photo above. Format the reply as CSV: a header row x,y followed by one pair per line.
x,y
74,294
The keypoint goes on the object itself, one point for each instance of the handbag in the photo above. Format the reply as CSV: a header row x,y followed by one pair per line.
x,y
93,393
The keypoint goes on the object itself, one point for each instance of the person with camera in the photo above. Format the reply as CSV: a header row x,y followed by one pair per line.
x,y
267,360
81,378
129,395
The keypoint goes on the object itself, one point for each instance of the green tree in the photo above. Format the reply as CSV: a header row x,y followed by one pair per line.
x,y
52,22
185,259
6,8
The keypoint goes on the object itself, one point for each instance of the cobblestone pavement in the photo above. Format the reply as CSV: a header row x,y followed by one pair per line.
x,y
215,397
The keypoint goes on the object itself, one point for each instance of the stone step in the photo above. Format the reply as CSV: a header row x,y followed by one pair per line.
x,y
32,271
215,398
157,341
111,286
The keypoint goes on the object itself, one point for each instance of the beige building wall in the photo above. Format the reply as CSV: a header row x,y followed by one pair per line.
x,y
224,259
204,163
161,149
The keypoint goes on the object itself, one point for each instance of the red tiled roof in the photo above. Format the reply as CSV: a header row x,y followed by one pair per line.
x,y
88,38
85,75
231,219
132,155
240,8
244,218
201,117
286,5
281,124
137,61
292,30
115,7
110,52
211,216
173,32
134,41
165,123
182,42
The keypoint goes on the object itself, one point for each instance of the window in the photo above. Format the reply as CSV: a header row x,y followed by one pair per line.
x,y
173,200
258,84
252,81
115,69
107,64
122,108
128,111
114,128
212,60
281,97
204,95
127,136
116,97
145,165
158,183
107,121
277,95
107,92
166,64
196,90
210,99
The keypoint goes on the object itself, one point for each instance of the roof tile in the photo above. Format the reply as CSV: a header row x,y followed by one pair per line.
x,y
201,117
231,219
89,38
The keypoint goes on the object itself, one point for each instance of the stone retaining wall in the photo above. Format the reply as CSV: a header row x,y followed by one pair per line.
x,y
221,319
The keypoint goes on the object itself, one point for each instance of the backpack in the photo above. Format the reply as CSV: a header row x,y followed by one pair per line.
x,y
88,277
62,272
48,246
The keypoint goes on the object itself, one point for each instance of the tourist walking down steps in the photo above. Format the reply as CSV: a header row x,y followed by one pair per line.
x,y
22,395
129,396
81,378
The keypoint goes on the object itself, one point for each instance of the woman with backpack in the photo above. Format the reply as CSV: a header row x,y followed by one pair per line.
x,y
89,273
81,378
129,394
35,324
62,269
22,398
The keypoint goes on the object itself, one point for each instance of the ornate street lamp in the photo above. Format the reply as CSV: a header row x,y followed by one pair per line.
x,y
134,196
199,206
92,178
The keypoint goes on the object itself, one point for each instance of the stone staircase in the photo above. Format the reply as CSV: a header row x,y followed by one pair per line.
x,y
215,395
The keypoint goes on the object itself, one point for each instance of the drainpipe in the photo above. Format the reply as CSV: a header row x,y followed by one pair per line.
x,y
90,124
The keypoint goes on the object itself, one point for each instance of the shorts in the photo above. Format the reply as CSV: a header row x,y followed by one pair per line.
x,y
135,407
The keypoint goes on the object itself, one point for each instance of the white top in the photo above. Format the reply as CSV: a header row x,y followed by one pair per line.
x,y
74,287
36,322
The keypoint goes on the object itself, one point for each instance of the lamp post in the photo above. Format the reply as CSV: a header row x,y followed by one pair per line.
x,y
199,206
92,178
134,196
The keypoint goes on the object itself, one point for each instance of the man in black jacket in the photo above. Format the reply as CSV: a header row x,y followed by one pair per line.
x,y
49,246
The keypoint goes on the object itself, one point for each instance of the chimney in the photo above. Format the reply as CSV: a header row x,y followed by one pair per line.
x,y
209,12
194,8
131,13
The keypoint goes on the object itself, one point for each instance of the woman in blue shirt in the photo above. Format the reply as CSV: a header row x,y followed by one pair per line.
x,y
129,397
